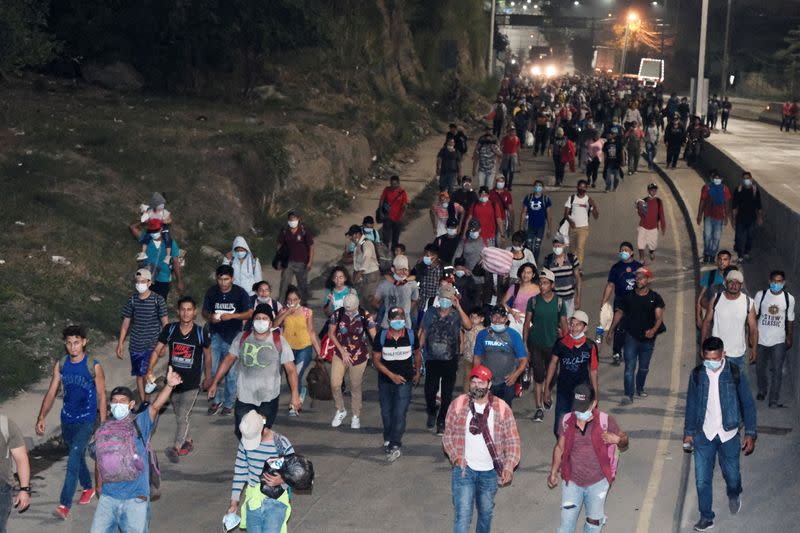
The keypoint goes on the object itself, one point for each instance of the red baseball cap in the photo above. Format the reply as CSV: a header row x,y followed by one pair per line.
x,y
482,373
646,271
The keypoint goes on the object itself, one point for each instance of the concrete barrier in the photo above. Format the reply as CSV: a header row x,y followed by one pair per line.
x,y
778,235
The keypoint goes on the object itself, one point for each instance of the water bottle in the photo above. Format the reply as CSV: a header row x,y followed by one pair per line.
x,y
599,335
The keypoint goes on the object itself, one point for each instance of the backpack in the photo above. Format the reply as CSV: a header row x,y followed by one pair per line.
x,y
115,451
409,332
90,367
438,340
719,295
589,209
761,302
612,449
174,325
319,383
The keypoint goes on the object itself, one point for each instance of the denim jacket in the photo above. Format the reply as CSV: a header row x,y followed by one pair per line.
x,y
736,402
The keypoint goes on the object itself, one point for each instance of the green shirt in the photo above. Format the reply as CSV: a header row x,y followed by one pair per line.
x,y
546,318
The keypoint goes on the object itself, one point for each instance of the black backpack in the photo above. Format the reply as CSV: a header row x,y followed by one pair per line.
x,y
761,302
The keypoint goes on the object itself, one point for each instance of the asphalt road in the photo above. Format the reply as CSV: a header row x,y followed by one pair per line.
x,y
355,490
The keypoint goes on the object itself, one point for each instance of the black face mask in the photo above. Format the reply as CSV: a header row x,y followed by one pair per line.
x,y
477,393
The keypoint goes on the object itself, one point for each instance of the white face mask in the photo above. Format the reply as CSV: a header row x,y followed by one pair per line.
x,y
452,231
558,250
141,288
501,185
293,223
261,326
120,410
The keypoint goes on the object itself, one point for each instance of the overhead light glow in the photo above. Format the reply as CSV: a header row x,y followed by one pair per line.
x,y
536,70
576,3
550,71
513,61
632,16
524,7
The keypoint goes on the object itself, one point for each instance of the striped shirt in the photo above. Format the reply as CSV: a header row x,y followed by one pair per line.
x,y
564,273
145,315
250,463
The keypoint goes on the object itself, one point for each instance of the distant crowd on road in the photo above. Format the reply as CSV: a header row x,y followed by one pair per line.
x,y
477,311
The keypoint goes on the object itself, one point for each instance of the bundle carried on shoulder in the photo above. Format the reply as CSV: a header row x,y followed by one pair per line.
x,y
496,260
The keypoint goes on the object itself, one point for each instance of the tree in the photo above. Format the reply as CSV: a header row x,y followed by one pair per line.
x,y
24,39
790,56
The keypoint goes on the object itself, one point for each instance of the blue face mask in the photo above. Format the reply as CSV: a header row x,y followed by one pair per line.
x,y
712,365
538,188
498,328
474,234
351,247
241,254
397,324
427,260
776,287
445,303
484,199
398,277
460,273
583,416
624,256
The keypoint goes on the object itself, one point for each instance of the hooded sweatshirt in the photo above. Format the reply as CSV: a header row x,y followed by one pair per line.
x,y
247,271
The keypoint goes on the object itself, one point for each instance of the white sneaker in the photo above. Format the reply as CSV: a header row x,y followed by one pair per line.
x,y
355,423
338,418
141,256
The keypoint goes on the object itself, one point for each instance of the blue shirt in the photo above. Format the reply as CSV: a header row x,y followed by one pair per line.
x,y
156,256
80,392
139,487
623,276
537,210
516,346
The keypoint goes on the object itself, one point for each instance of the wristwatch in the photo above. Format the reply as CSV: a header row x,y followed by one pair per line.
x,y
25,489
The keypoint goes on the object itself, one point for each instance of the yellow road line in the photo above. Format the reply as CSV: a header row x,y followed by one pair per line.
x,y
672,398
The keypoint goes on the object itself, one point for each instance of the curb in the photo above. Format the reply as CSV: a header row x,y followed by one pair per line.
x,y
687,217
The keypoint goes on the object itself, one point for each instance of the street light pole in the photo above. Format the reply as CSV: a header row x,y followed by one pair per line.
x,y
725,52
701,61
490,55
624,50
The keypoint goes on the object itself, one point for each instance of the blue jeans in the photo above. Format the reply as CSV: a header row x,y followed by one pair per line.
x,y
738,361
535,241
130,516
76,437
6,504
704,455
473,488
563,405
712,230
394,401
650,151
268,518
641,351
611,175
504,392
302,359
219,349
574,497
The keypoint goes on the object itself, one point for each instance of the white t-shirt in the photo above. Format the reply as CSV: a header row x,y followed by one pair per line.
x,y
772,322
730,318
580,210
475,451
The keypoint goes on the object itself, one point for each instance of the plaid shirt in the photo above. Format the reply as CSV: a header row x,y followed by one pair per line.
x,y
506,437
428,278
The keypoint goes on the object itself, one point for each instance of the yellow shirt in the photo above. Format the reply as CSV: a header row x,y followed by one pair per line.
x,y
295,329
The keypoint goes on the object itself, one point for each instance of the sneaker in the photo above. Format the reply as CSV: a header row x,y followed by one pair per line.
x,y
615,359
704,524
338,418
141,256
86,496
213,408
431,421
776,405
355,422
226,411
626,400
394,454
61,512
760,397
538,416
186,448
303,393
292,411
548,406
173,454
386,447
440,429
735,504
642,394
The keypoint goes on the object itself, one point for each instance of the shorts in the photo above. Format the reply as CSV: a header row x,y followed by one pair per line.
x,y
539,361
139,363
647,238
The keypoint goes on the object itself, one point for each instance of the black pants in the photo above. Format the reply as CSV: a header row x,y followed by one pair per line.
x,y
591,170
540,139
559,170
724,118
391,232
437,372
268,410
673,153
497,128
620,334
161,288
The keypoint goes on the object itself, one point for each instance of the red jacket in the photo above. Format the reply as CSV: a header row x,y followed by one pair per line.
x,y
568,155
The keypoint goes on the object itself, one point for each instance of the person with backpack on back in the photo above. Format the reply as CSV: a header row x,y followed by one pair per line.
x,y
143,316
713,212
443,210
501,349
351,330
712,282
188,350
13,453
733,316
260,354
502,198
84,402
775,316
366,269
567,270
746,214
621,281
122,452
535,210
651,218
391,210
587,455
576,211
718,403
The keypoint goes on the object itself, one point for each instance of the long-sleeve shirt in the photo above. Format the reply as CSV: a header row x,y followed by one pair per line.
x,y
250,463
364,258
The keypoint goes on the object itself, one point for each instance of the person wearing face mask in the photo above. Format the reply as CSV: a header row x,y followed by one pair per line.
x,y
449,242
536,210
428,271
366,270
509,162
466,197
262,294
621,281
775,315
399,367
520,254
483,445
566,269
448,166
575,360
299,244
718,403
440,335
651,218
674,138
143,316
157,251
188,350
391,211
443,210
731,316
368,227
397,292
577,209
586,454
470,247
246,266
125,496
713,212
500,348
746,214
485,159
501,196
489,216
652,134
259,354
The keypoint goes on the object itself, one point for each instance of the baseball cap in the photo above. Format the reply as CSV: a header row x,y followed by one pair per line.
x,y
481,372
144,274
646,271
582,397
499,310
581,315
652,185
447,291
355,228
400,261
547,274
559,239
122,391
251,425
452,222
735,275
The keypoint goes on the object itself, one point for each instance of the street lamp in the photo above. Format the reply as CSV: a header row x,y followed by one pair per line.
x,y
632,18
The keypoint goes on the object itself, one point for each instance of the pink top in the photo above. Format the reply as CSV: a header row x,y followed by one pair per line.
x,y
596,148
524,294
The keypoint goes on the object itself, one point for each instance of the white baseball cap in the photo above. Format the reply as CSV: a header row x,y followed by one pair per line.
x,y
251,425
